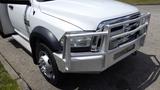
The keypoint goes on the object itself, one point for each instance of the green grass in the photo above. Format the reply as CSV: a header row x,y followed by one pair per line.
x,y
142,1
6,82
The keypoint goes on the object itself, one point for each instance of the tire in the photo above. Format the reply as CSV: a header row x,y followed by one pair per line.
x,y
47,64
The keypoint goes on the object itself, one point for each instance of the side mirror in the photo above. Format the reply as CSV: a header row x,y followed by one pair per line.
x,y
23,2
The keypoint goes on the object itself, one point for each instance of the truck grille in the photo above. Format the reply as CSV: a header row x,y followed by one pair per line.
x,y
119,30
125,27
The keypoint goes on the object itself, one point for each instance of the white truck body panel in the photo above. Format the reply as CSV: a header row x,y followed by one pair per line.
x,y
86,14
17,15
57,26
83,16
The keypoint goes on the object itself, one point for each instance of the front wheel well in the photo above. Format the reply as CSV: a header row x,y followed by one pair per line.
x,y
45,36
33,44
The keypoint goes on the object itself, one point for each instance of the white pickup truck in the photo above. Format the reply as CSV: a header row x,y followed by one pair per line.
x,y
77,36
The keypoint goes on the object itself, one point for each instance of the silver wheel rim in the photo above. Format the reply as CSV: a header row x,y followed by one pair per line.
x,y
45,65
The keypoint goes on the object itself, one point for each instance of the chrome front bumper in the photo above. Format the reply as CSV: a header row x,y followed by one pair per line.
x,y
99,61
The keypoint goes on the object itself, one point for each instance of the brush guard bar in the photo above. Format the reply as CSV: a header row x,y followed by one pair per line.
x,y
104,49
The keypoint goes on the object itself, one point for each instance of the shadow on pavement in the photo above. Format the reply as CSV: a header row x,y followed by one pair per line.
x,y
17,45
133,73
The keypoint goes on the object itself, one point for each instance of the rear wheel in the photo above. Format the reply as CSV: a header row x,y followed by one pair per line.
x,y
47,64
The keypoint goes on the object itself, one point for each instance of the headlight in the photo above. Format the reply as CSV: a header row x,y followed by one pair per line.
x,y
80,42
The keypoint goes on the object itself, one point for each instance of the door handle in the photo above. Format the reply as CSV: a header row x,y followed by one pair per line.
x,y
11,7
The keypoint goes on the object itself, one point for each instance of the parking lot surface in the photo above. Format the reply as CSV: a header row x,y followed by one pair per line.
x,y
140,72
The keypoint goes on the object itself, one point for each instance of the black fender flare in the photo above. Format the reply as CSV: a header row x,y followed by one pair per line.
x,y
48,38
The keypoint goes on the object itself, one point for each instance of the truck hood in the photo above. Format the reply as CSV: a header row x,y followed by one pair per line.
x,y
86,14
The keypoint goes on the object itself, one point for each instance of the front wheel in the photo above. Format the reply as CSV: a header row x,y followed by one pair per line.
x,y
47,64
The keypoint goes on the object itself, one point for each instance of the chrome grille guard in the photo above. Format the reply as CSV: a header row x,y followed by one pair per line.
x,y
105,41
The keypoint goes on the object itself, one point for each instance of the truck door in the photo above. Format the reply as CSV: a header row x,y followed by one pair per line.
x,y
18,15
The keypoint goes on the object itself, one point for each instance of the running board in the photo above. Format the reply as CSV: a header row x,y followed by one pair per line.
x,y
23,42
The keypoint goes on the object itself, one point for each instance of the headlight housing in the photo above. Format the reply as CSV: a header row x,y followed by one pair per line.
x,y
79,43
